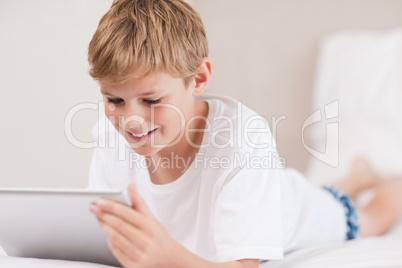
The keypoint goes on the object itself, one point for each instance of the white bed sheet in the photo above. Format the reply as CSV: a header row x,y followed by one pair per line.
x,y
15,262
385,251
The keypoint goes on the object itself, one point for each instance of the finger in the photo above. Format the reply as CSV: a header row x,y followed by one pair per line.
x,y
122,211
124,260
120,247
114,236
129,232
137,201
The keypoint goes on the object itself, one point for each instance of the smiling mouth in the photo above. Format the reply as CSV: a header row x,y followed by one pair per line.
x,y
141,136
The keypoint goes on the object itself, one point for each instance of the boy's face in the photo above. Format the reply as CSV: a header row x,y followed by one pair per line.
x,y
150,112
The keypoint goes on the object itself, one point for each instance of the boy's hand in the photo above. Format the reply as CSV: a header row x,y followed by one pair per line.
x,y
134,236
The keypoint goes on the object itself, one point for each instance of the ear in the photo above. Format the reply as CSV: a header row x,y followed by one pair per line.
x,y
202,78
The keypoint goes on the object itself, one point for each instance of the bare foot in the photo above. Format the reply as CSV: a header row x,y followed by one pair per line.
x,y
362,177
392,189
383,210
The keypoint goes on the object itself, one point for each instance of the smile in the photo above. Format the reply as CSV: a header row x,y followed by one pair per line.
x,y
141,136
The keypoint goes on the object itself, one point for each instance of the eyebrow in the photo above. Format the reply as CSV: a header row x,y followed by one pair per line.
x,y
141,95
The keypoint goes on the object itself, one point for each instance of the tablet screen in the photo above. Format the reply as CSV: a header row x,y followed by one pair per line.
x,y
54,224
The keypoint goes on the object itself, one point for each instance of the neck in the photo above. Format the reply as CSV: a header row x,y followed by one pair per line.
x,y
183,153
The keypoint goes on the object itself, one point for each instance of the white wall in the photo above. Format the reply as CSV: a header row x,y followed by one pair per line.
x,y
44,73
264,53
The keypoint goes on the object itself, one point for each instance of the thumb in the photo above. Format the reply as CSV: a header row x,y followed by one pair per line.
x,y
137,201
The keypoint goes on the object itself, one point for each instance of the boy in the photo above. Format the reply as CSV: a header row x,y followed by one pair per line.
x,y
207,186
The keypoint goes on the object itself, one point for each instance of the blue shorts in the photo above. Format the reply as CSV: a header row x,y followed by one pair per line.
x,y
353,225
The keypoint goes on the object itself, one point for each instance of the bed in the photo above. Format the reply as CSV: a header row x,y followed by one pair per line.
x,y
360,71
381,252
385,251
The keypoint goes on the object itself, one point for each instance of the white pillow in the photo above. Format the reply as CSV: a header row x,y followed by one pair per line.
x,y
363,71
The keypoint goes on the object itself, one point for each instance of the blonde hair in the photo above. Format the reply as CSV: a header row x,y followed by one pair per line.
x,y
139,37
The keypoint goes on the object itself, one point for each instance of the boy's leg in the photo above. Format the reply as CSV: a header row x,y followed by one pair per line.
x,y
362,177
383,210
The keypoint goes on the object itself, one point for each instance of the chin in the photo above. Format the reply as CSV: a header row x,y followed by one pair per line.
x,y
145,151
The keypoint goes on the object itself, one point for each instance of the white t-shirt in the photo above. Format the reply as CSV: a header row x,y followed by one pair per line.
x,y
234,201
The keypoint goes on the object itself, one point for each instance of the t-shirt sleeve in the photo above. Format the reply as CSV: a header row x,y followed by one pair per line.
x,y
97,178
248,215
110,166
102,167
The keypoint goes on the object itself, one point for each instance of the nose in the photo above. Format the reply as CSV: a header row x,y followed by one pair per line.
x,y
135,118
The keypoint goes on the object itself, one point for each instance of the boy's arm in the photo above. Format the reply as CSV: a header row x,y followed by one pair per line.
x,y
188,259
137,239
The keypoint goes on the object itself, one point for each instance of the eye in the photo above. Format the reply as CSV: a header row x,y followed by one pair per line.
x,y
115,101
152,101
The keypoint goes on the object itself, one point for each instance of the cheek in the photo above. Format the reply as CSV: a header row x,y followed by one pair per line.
x,y
112,113
160,118
169,117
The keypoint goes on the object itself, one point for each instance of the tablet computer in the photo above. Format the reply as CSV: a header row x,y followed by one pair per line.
x,y
55,224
